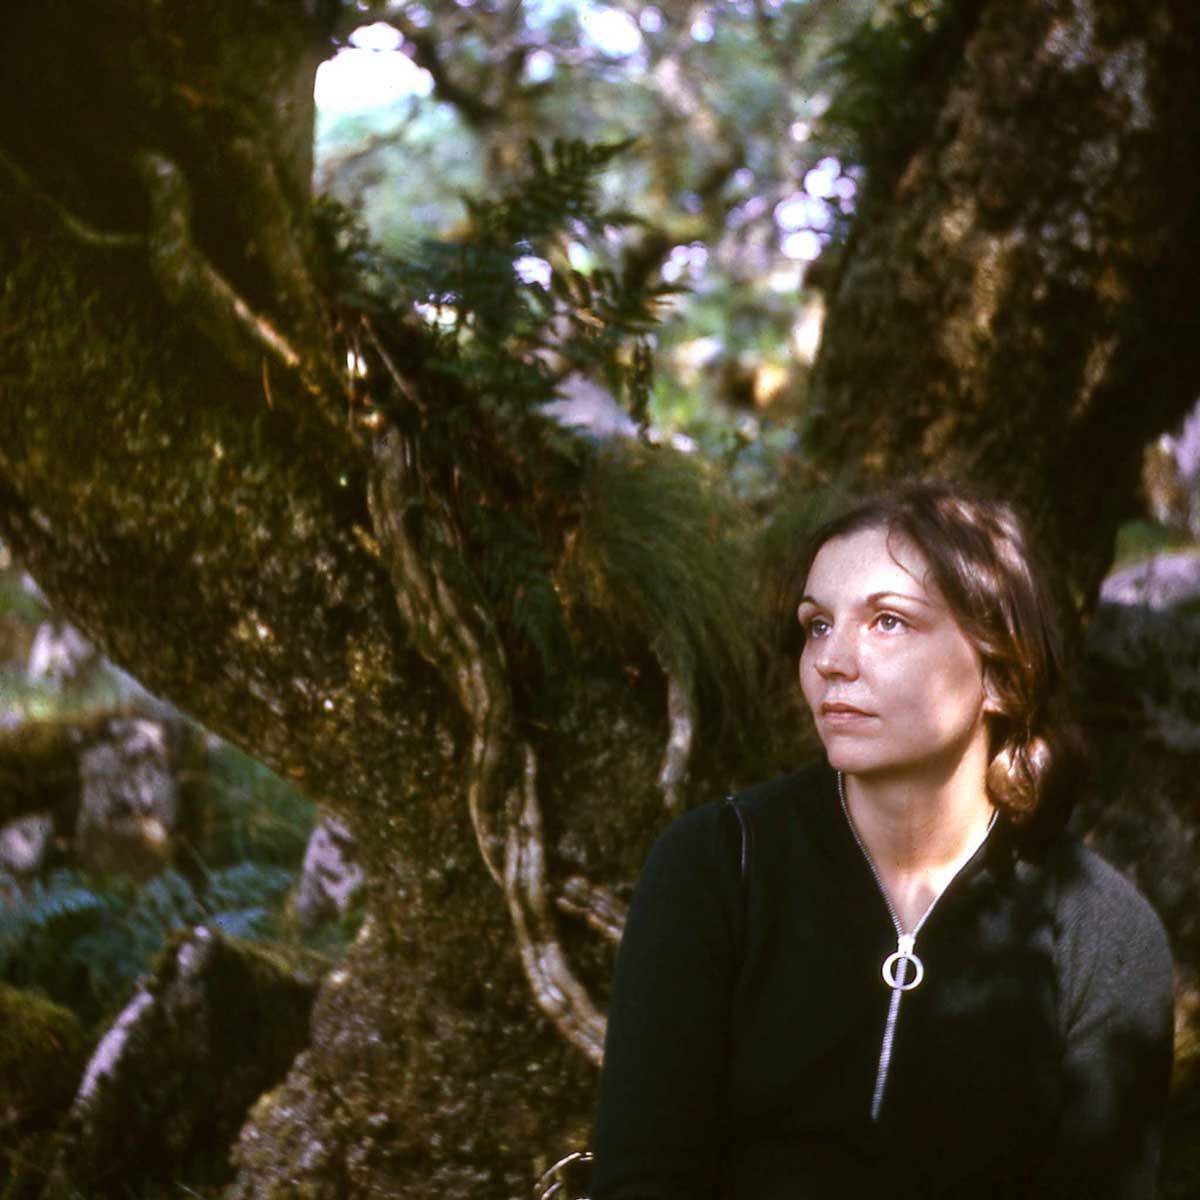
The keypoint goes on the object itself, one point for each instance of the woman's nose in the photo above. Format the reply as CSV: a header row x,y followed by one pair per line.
x,y
836,653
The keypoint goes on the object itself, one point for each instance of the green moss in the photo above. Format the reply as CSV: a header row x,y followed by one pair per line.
x,y
216,1035
39,765
1139,540
42,1050
662,551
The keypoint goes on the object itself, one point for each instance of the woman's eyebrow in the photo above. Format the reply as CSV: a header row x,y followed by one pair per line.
x,y
876,597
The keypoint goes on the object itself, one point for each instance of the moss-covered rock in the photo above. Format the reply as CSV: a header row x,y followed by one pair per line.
x,y
42,1051
215,1025
43,1048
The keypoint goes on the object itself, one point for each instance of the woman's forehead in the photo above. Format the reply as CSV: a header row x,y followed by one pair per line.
x,y
866,561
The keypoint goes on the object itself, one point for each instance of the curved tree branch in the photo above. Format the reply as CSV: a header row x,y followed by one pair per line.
x,y
198,290
426,53
74,225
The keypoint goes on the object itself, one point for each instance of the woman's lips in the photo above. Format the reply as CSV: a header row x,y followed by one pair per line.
x,y
843,714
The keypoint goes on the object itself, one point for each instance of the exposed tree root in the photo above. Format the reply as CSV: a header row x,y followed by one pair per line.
x,y
597,907
558,993
681,715
457,638
444,636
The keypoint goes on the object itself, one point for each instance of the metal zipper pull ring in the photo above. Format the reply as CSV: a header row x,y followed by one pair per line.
x,y
904,954
896,963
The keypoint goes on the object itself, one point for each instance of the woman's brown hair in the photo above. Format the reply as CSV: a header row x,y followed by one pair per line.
x,y
982,561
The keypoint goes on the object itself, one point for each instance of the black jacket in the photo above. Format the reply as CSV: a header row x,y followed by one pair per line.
x,y
745,1030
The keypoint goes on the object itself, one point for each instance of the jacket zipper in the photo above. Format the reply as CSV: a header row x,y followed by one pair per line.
x,y
896,965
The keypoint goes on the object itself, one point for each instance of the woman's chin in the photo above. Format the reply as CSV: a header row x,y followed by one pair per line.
x,y
852,760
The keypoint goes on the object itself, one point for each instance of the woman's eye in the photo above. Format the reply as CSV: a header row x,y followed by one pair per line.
x,y
889,621
817,627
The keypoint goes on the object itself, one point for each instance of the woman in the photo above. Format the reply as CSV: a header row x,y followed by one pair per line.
x,y
916,985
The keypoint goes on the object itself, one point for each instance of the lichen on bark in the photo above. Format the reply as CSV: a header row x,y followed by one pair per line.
x,y
1014,279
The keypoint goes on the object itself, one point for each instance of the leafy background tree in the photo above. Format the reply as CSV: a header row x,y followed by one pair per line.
x,y
288,463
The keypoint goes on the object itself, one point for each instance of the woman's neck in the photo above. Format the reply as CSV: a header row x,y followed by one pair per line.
x,y
919,833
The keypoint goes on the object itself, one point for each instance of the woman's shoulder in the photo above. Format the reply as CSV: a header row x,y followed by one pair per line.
x,y
1101,912
784,793
765,810
1087,882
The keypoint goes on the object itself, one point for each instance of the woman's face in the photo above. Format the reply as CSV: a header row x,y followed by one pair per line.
x,y
895,686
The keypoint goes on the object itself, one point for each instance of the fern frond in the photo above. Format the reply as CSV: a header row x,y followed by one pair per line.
x,y
248,924
246,885
166,903
86,944
498,332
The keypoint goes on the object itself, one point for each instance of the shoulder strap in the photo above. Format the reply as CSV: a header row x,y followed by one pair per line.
x,y
745,855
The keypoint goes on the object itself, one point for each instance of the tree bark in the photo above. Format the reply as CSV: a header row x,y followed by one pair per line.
x,y
1016,306
187,473
1017,302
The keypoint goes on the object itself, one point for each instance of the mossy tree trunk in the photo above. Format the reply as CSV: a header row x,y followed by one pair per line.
x,y
1017,303
185,470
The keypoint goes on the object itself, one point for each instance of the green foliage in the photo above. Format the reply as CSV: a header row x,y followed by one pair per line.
x,y
883,103
561,538
728,122
84,943
511,338
518,572
42,1051
1139,540
83,939
560,187
250,812
670,554
500,479
552,530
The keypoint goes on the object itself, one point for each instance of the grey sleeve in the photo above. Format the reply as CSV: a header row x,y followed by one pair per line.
x,y
1116,997
660,1121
